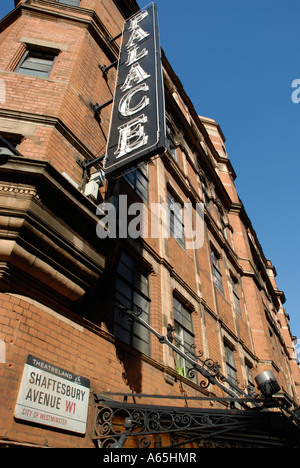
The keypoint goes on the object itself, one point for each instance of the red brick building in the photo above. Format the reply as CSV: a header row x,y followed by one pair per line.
x,y
63,331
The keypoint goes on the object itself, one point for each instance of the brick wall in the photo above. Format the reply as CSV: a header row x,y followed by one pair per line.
x,y
57,123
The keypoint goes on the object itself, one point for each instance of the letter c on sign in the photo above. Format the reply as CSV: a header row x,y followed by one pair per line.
x,y
124,105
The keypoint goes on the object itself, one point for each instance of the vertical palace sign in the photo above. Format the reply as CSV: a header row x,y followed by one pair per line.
x,y
137,128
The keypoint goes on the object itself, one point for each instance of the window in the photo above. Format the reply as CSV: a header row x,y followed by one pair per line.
x,y
9,143
206,198
230,364
37,62
250,380
217,271
69,2
236,299
176,219
139,181
172,143
184,338
224,226
132,291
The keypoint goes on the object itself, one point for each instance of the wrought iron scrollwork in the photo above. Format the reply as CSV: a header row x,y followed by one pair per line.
x,y
180,426
147,422
209,369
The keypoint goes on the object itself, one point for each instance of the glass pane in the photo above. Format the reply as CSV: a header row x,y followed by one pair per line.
x,y
123,289
141,304
127,263
140,332
178,334
37,64
141,282
141,190
70,2
4,150
177,315
130,178
230,356
123,301
122,334
125,271
140,345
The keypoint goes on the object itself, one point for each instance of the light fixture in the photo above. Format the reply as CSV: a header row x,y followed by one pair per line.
x,y
92,187
267,384
128,424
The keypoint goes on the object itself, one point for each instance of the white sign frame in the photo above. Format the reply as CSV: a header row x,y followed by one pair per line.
x,y
52,396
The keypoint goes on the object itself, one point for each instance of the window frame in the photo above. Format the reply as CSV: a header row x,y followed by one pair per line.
x,y
171,143
130,281
37,53
13,139
206,197
235,295
176,222
138,176
249,377
184,337
66,2
218,278
231,370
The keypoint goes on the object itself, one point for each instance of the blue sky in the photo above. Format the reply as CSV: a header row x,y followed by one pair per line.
x,y
237,61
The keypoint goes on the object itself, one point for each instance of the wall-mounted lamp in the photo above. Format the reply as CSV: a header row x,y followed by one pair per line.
x,y
128,424
267,384
92,187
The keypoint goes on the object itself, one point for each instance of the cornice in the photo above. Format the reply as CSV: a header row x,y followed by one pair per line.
x,y
127,7
81,16
190,133
45,250
53,121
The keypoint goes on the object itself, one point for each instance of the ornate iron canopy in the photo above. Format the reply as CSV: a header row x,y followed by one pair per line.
x,y
248,421
144,426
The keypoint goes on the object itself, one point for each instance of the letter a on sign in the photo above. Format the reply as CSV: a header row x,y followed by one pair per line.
x,y
137,127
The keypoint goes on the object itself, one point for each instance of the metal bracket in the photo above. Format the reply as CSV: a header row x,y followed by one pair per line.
x,y
116,37
105,68
97,108
208,368
86,165
9,146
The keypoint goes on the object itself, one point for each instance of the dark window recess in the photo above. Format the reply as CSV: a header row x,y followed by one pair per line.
x,y
9,144
217,272
250,380
184,339
132,291
236,299
139,181
206,198
37,63
230,365
172,143
176,219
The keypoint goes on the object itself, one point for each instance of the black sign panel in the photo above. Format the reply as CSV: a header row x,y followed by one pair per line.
x,y
137,128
